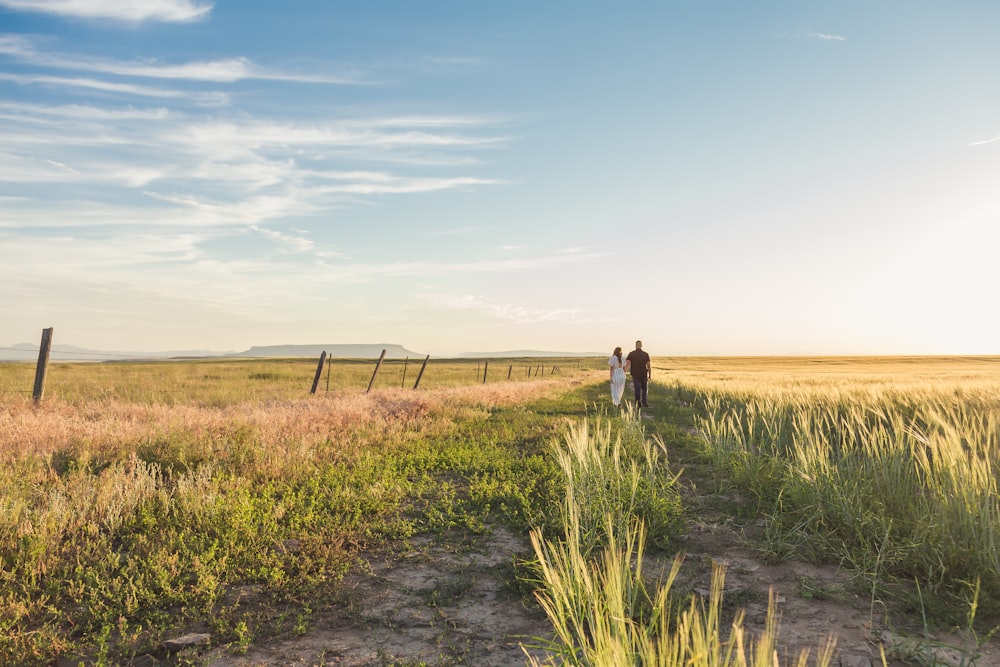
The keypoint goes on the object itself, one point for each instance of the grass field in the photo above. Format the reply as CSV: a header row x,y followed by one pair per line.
x,y
225,381
138,497
887,464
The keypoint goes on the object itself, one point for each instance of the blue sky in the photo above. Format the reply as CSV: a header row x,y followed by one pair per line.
x,y
718,178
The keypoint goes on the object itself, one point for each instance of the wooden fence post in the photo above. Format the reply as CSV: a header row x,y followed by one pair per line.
x,y
406,362
319,372
486,367
510,370
43,365
329,364
421,373
375,372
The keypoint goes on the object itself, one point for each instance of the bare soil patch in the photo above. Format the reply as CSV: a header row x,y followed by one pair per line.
x,y
441,602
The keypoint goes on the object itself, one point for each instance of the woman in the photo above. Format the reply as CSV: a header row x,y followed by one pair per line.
x,y
617,376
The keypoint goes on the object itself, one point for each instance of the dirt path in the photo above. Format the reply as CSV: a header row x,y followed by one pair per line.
x,y
439,603
446,602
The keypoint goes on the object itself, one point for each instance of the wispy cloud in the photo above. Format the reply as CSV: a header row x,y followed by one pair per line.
x,y
170,11
21,110
297,243
826,37
360,272
983,142
503,311
180,264
162,177
232,170
223,70
210,98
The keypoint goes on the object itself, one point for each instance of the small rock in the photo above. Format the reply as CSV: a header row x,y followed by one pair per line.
x,y
190,639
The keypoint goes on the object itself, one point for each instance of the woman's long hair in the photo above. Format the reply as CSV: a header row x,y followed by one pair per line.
x,y
618,353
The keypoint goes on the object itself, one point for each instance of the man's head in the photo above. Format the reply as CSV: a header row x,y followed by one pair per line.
x,y
638,344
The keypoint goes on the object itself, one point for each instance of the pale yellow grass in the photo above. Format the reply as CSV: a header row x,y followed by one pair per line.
x,y
270,439
830,377
106,427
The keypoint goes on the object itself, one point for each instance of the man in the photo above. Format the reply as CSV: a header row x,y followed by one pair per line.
x,y
637,363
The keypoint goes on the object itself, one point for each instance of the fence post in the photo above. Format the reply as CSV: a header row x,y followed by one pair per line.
x,y
43,365
406,362
421,373
329,364
510,369
375,372
319,372
486,367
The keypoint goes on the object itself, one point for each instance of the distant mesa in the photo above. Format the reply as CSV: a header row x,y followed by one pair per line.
x,y
356,351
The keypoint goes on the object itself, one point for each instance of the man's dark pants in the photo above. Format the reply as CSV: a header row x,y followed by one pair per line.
x,y
640,385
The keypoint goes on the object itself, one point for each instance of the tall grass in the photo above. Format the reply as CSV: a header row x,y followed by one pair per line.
x,y
898,477
603,609
614,474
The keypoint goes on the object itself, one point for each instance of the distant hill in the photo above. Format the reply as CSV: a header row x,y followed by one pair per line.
x,y
526,353
356,351
60,352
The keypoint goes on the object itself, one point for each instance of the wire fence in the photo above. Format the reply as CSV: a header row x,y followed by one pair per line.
x,y
221,380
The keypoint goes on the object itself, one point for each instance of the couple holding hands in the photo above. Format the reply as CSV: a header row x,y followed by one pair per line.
x,y
636,363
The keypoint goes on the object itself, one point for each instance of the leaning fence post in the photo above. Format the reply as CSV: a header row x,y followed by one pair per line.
x,y
510,369
421,373
319,372
486,367
405,364
375,372
43,364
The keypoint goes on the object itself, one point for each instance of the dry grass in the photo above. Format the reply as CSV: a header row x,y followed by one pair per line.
x,y
122,516
108,428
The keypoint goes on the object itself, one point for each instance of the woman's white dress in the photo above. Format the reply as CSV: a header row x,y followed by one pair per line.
x,y
617,379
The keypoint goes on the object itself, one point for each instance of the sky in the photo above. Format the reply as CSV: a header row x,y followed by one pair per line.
x,y
717,177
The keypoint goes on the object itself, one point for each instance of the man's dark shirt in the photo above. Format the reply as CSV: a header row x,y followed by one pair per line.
x,y
640,363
